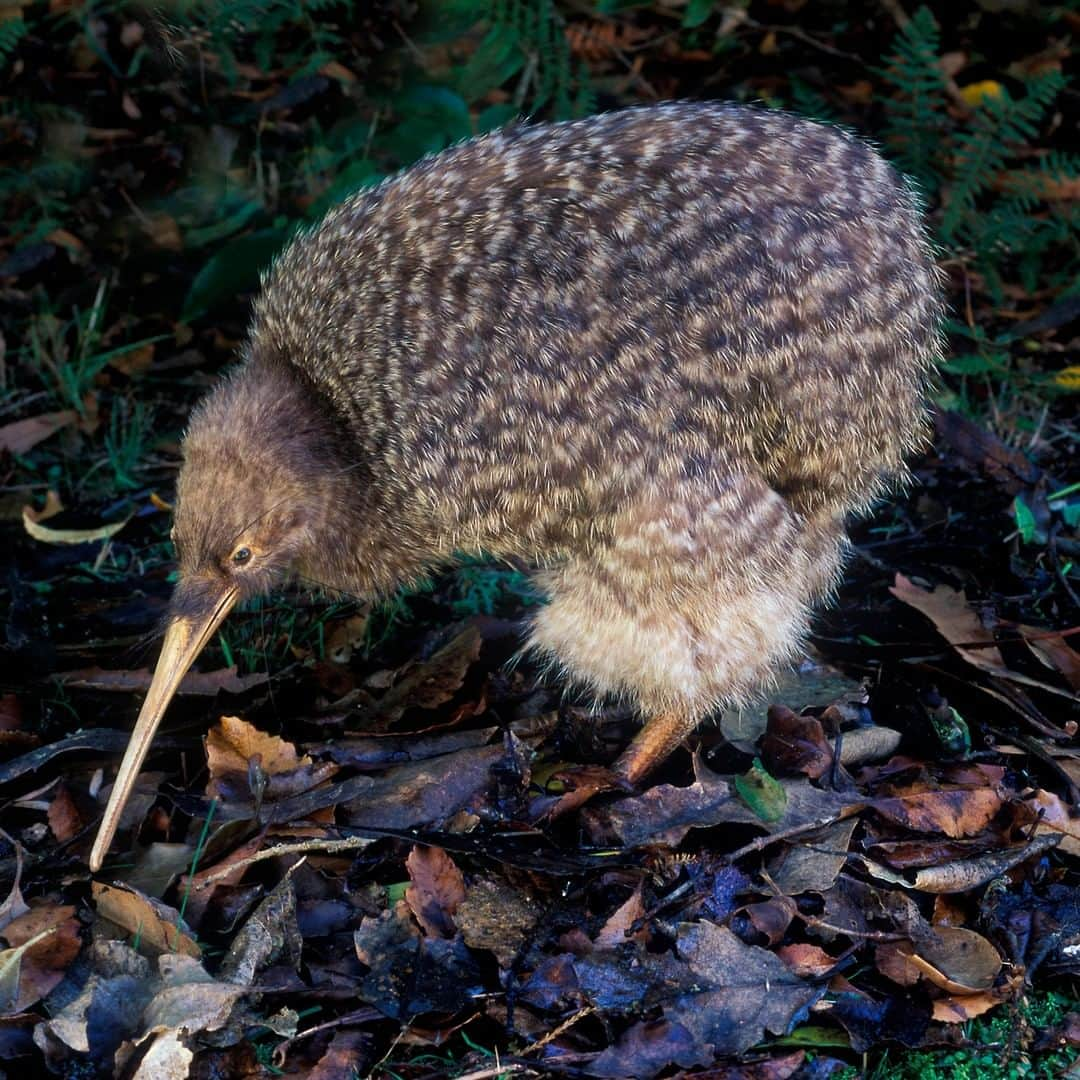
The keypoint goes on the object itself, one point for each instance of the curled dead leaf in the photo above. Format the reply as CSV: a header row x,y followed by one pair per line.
x,y
47,535
436,889
955,812
156,927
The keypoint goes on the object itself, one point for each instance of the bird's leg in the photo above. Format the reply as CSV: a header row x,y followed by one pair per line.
x,y
652,744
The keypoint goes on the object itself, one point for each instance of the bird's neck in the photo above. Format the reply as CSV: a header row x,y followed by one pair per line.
x,y
365,542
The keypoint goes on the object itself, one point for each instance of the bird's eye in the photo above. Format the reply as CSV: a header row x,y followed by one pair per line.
x,y
241,556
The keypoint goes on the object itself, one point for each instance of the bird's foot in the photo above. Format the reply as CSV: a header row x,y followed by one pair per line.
x,y
652,744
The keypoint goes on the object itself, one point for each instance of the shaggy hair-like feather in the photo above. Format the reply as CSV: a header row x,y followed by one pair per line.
x,y
661,353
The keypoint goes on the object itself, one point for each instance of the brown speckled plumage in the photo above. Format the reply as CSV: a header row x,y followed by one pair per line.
x,y
661,353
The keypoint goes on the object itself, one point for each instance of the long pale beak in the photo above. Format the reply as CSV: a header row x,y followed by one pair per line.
x,y
184,640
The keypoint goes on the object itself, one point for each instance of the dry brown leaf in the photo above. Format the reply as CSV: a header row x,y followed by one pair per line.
x,y
433,682
809,961
65,820
613,933
1058,817
48,937
134,361
47,535
772,917
157,927
189,1002
949,611
955,812
21,436
960,1008
436,891
893,960
960,626
195,683
1053,651
233,742
959,961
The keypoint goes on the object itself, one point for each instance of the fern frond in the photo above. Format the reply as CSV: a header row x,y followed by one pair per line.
x,y
12,31
916,117
998,127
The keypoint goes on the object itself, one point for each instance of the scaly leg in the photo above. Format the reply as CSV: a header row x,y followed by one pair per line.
x,y
652,744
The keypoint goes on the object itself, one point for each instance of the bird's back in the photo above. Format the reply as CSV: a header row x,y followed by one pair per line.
x,y
527,327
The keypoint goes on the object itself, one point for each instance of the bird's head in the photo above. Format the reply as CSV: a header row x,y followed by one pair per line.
x,y
255,503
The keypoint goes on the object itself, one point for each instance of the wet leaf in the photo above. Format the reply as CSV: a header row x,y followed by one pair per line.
x,y
436,890
762,793
21,436
955,812
750,991
795,744
433,682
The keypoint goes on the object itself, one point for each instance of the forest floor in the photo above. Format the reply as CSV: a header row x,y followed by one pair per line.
x,y
361,845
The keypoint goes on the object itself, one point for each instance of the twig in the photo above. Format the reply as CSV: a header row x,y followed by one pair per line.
x,y
351,844
763,842
554,1034
361,1016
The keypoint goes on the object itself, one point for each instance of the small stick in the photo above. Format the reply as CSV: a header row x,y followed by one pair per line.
x,y
351,844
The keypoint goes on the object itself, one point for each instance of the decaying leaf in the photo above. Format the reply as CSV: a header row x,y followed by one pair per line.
x,y
44,941
646,1048
48,535
154,926
21,436
188,1001
433,682
270,934
435,891
235,749
961,875
750,991
495,916
955,812
1057,818
812,864
194,683
795,744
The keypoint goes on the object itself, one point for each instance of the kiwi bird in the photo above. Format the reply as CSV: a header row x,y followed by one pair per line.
x,y
661,354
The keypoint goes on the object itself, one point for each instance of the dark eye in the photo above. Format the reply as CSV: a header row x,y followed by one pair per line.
x,y
241,556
